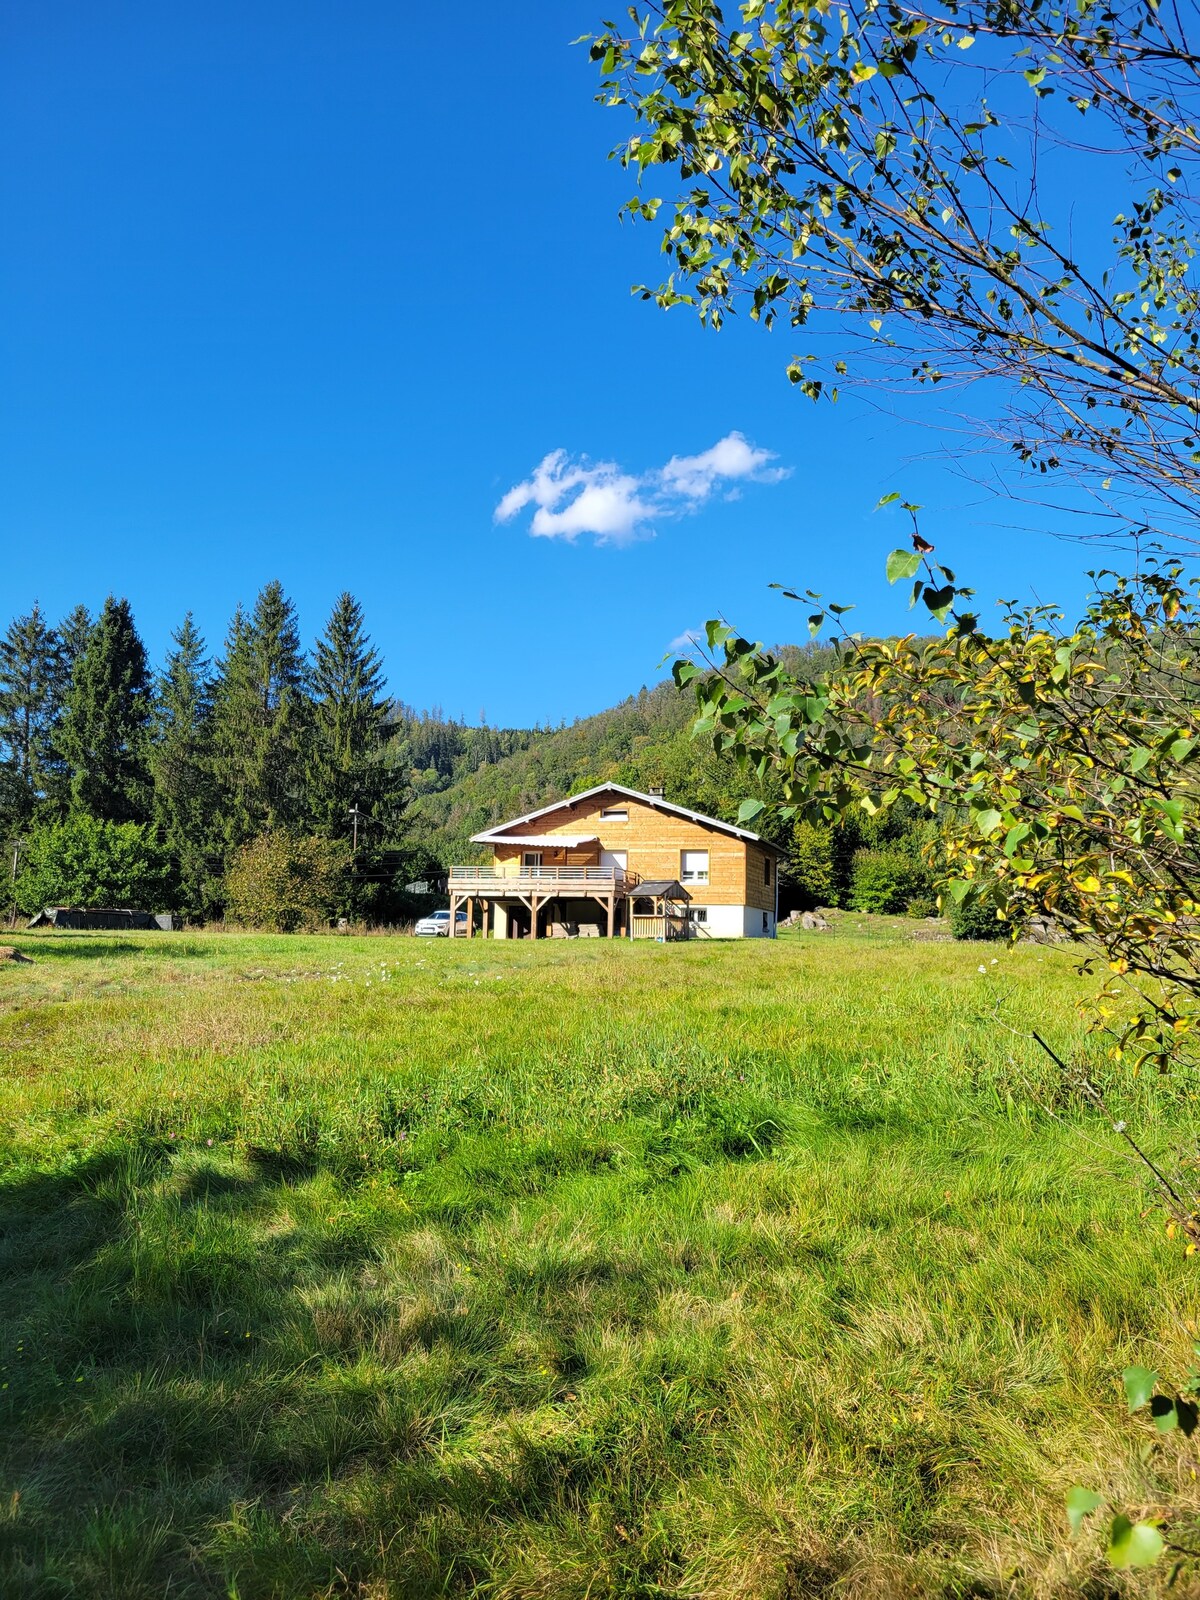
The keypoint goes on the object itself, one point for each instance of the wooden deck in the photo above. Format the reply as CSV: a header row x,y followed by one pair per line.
x,y
534,888
513,879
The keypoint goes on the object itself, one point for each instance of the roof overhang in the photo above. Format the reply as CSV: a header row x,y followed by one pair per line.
x,y
558,841
658,889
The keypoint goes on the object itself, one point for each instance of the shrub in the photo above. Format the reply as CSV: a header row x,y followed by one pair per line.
x,y
285,883
886,880
87,862
924,905
976,919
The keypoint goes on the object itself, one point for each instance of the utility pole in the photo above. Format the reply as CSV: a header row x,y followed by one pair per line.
x,y
355,816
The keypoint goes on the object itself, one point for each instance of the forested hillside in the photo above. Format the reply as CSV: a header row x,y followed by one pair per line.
x,y
490,774
643,738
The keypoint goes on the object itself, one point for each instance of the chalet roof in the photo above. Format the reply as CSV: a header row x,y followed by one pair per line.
x,y
658,889
495,835
559,841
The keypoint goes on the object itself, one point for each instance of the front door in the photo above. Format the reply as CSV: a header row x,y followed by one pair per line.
x,y
531,860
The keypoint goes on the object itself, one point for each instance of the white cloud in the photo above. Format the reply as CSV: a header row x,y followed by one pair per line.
x,y
574,496
730,458
577,497
686,639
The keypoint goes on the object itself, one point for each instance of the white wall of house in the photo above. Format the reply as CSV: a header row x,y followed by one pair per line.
x,y
754,924
721,922
734,922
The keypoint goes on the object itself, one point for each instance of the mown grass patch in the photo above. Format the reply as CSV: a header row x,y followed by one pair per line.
x,y
384,1268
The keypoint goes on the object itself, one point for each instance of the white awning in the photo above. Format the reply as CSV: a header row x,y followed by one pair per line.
x,y
553,841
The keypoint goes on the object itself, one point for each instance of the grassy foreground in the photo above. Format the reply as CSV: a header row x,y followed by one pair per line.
x,y
384,1268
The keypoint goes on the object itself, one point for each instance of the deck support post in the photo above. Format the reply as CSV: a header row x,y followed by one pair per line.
x,y
612,914
470,916
534,904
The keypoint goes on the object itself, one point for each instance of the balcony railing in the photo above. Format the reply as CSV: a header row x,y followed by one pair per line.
x,y
518,876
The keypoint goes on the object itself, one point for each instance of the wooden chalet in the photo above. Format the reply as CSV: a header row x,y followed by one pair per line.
x,y
614,862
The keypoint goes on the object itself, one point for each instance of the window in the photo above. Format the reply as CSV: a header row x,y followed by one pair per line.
x,y
698,913
766,922
531,858
614,814
767,871
693,866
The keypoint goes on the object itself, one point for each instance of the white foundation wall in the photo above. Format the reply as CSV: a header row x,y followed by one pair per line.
x,y
753,923
725,922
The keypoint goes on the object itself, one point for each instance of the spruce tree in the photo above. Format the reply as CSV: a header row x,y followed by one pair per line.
x,y
31,691
181,763
260,717
105,732
74,632
345,764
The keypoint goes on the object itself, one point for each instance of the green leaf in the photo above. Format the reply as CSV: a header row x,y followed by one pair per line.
x,y
1139,1386
814,623
1016,835
1133,1544
749,809
889,499
1081,1503
987,822
959,889
1138,759
939,601
902,564
717,633
1173,811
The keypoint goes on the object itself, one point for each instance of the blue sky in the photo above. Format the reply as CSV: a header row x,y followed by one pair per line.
x,y
305,291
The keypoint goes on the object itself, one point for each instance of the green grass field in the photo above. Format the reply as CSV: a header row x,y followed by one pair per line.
x,y
382,1268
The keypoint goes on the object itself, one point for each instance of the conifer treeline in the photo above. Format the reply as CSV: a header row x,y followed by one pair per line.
x,y
204,755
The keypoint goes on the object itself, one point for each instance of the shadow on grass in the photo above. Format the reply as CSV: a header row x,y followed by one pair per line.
x,y
78,946
218,1380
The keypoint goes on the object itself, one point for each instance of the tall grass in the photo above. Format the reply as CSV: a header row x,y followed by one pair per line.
x,y
382,1268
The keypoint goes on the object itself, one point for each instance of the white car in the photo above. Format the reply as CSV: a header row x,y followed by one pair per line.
x,y
438,925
